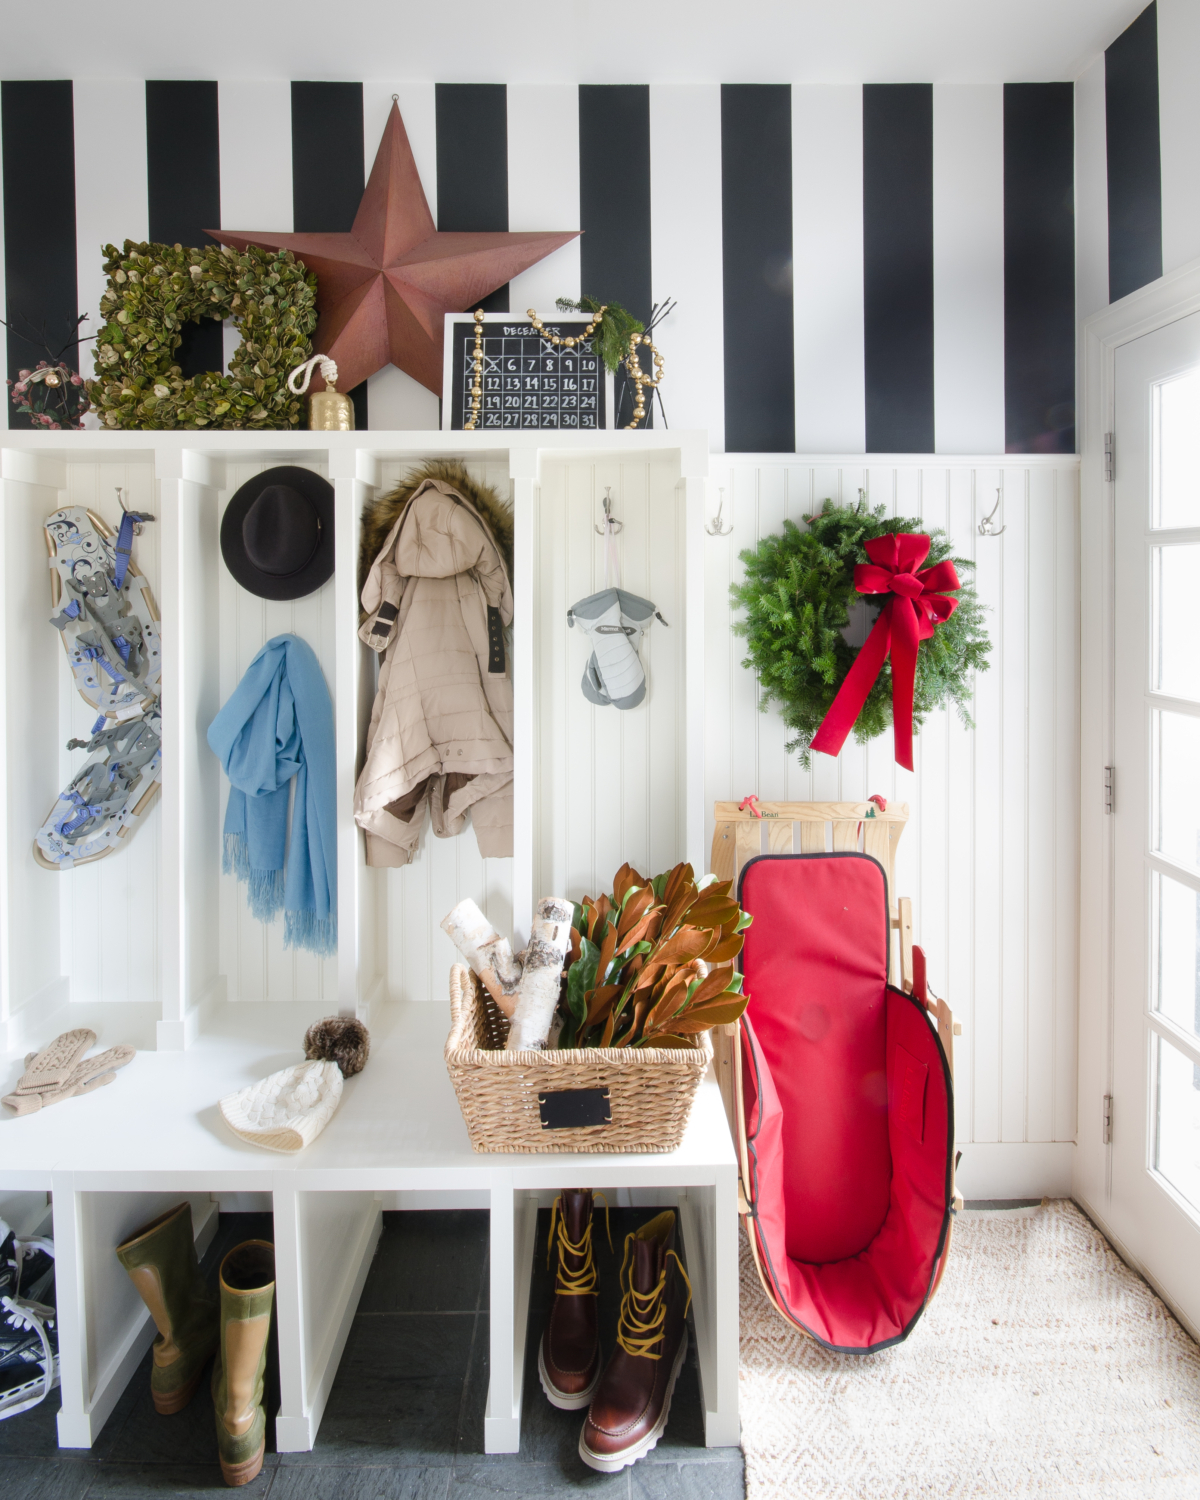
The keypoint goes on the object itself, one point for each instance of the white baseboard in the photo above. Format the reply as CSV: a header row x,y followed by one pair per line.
x,y
177,1036
27,1028
1015,1169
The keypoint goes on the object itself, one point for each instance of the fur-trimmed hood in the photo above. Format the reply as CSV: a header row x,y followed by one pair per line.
x,y
382,513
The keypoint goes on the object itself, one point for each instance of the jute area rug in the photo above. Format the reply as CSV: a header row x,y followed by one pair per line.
x,y
1043,1366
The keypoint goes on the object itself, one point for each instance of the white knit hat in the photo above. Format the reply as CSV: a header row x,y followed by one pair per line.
x,y
287,1110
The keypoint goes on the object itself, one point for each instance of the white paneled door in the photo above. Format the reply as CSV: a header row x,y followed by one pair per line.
x,y
1156,809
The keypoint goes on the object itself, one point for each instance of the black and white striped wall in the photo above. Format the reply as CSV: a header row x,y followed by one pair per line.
x,y
859,268
1138,155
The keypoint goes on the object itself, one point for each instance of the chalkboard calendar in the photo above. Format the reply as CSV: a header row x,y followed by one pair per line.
x,y
528,382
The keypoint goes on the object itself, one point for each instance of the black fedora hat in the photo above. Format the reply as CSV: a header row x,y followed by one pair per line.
x,y
277,533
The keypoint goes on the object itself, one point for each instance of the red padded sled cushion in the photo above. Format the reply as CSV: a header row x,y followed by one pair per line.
x,y
847,1098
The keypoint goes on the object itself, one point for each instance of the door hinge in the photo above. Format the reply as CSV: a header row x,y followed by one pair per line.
x,y
1106,1127
1108,789
1109,462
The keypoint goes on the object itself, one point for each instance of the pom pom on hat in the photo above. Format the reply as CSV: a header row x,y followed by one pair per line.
x,y
340,1039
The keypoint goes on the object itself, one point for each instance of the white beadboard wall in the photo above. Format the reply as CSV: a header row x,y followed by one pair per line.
x,y
252,958
109,928
990,854
579,840
609,785
411,952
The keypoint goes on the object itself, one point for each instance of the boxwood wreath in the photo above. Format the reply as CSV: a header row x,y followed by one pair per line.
x,y
797,595
153,290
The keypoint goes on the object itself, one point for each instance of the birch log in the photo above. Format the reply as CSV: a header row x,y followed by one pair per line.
x,y
537,993
488,954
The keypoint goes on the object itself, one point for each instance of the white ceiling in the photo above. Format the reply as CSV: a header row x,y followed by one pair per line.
x,y
586,41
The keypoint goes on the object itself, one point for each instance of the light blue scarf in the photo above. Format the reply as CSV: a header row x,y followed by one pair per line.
x,y
278,723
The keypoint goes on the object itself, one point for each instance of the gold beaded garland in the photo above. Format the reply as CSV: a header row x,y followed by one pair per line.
x,y
476,386
639,377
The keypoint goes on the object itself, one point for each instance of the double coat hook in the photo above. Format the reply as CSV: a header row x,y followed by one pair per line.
x,y
610,521
988,527
716,529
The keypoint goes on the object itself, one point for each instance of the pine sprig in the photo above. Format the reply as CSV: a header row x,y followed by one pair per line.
x,y
612,335
797,595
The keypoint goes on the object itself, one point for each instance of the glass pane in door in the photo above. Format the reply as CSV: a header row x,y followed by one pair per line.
x,y
1175,579
1177,1121
1178,489
1175,947
1175,765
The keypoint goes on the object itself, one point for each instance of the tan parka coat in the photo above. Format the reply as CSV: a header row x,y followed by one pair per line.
x,y
437,600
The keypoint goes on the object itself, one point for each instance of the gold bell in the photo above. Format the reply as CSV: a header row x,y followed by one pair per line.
x,y
328,410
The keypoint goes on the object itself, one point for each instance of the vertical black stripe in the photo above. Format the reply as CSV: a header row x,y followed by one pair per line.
x,y
756,240
328,171
614,206
898,266
472,164
183,161
183,184
614,195
1134,165
183,187
327,156
1039,268
39,226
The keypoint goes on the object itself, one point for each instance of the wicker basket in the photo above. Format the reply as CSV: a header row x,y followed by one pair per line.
x,y
501,1094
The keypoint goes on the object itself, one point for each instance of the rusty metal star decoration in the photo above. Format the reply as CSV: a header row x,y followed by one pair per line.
x,y
384,288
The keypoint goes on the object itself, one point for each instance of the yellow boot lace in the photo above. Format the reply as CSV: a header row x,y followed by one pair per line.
x,y
581,1283
643,1314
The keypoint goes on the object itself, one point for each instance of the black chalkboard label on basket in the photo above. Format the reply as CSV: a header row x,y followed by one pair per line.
x,y
572,1109
528,382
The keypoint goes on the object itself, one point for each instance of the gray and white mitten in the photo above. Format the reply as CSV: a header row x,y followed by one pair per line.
x,y
614,622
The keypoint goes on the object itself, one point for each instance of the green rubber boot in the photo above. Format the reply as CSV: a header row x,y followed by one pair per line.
x,y
247,1295
161,1261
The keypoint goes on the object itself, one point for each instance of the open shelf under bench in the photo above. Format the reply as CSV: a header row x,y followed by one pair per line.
x,y
155,1135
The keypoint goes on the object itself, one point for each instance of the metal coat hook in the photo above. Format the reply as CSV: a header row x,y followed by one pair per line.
x,y
139,517
986,526
716,529
610,522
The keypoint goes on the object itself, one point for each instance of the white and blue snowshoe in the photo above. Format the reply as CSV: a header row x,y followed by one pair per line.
x,y
28,1322
108,795
106,614
103,607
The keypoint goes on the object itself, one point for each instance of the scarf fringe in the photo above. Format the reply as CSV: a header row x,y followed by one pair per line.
x,y
264,888
304,929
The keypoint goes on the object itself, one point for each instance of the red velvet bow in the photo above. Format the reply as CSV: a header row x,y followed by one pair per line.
x,y
916,605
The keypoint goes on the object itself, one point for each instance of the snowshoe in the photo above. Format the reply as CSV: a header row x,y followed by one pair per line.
x,y
108,795
103,607
28,1322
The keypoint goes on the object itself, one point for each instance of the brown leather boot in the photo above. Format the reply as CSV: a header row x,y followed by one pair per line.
x,y
569,1353
629,1411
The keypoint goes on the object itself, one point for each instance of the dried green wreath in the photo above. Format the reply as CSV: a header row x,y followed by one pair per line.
x,y
798,593
153,290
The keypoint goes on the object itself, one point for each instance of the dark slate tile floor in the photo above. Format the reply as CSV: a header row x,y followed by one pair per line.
x,y
405,1416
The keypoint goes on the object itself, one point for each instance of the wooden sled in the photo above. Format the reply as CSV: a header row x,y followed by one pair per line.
x,y
838,1081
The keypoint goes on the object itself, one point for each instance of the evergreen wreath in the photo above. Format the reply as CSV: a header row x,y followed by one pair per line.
x,y
797,594
154,289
